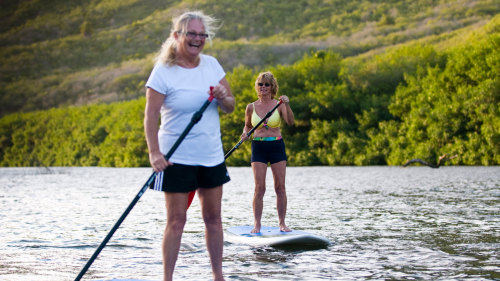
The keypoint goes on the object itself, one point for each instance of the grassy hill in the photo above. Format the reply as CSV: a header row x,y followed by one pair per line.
x,y
59,53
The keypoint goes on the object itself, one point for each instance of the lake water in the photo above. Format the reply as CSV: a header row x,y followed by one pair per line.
x,y
385,223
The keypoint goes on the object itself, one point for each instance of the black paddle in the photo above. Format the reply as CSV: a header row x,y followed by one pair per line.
x,y
253,129
196,117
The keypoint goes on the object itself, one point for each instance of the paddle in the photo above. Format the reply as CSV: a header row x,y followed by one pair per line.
x,y
253,129
196,117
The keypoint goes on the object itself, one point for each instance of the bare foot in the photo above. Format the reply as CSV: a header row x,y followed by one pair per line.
x,y
284,228
255,230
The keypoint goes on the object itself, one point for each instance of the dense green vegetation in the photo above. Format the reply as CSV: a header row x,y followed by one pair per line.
x,y
417,100
371,82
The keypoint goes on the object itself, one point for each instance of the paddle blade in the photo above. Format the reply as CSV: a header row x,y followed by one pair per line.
x,y
190,198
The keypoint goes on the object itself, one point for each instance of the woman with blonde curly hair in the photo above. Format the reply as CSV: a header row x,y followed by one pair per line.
x,y
177,87
268,145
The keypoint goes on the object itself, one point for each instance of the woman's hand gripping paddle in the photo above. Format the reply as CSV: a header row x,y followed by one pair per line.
x,y
253,129
196,117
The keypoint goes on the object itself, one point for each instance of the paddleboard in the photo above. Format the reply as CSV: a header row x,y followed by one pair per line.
x,y
273,237
124,280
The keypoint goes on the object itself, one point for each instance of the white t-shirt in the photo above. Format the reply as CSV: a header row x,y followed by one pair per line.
x,y
186,90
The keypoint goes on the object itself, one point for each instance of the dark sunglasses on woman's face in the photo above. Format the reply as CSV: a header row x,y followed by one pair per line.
x,y
263,84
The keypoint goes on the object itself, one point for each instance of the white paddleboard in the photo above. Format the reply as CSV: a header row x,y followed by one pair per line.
x,y
124,280
272,236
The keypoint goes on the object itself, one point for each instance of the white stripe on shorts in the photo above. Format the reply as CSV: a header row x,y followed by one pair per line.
x,y
158,181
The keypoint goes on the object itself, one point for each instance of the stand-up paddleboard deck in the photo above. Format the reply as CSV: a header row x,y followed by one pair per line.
x,y
124,280
272,236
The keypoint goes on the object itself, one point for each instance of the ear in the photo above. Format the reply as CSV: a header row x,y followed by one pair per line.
x,y
176,35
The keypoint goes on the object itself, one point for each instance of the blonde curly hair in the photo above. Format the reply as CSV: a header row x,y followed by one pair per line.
x,y
167,54
269,78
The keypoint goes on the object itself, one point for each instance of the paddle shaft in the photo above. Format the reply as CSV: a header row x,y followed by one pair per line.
x,y
196,117
253,129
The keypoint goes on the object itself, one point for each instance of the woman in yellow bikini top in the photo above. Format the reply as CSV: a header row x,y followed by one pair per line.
x,y
267,145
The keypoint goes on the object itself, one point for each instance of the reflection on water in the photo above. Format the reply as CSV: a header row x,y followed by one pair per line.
x,y
386,223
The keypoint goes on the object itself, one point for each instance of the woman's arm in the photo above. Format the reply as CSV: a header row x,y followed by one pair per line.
x,y
154,101
248,122
286,111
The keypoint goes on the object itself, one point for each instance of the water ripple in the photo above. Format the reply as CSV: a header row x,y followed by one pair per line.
x,y
385,223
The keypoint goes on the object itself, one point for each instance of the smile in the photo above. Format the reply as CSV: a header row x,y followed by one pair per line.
x,y
196,45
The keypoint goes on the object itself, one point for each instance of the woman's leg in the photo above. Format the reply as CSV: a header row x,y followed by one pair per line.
x,y
279,173
176,204
259,174
210,200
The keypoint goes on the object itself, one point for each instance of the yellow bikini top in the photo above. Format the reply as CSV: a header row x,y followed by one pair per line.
x,y
273,122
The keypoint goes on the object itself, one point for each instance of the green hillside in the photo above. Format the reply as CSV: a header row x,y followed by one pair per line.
x,y
59,53
370,83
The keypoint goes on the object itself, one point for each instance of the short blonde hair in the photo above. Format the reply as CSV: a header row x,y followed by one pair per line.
x,y
269,78
167,53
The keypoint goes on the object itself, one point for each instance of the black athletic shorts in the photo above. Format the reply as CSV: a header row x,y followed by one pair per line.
x,y
268,151
186,178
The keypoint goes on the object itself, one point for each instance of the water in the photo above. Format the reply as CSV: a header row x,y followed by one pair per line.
x,y
386,223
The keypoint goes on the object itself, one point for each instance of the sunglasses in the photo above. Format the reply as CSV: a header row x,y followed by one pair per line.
x,y
263,84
